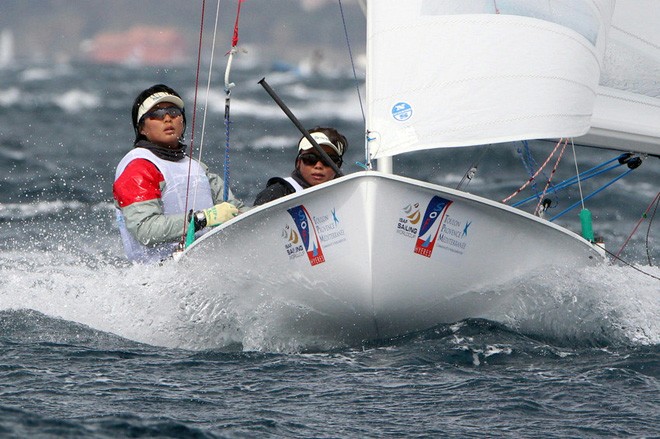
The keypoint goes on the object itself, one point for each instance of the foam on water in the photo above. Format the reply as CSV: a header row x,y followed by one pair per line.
x,y
22,211
134,302
601,305
158,305
171,306
72,101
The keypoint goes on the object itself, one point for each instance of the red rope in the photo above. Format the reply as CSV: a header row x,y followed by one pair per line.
x,y
644,215
536,174
234,40
194,115
547,185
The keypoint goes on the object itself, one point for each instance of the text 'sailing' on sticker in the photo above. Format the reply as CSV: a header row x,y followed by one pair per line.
x,y
408,221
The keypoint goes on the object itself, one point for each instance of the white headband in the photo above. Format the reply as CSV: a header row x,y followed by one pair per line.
x,y
321,139
156,99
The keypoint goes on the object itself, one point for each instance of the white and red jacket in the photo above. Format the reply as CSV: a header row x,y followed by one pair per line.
x,y
150,197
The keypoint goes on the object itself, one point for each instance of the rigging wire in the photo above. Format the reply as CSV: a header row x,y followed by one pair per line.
x,y
602,188
469,174
208,89
552,174
228,87
367,163
529,162
584,176
644,216
192,130
631,265
648,230
188,235
350,54
536,174
577,173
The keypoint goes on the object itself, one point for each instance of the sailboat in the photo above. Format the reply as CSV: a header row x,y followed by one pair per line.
x,y
373,254
6,48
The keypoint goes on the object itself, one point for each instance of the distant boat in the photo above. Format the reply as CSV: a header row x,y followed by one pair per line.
x,y
311,66
6,48
139,46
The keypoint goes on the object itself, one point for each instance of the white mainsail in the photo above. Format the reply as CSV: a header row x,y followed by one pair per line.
x,y
466,73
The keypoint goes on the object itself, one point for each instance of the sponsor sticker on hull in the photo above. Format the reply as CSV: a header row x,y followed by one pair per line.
x,y
307,233
430,226
311,233
436,228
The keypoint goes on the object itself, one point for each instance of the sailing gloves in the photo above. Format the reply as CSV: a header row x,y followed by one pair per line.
x,y
214,216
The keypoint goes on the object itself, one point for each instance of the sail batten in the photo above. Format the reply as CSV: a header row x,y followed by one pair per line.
x,y
624,121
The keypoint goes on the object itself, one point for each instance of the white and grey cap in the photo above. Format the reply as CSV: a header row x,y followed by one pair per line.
x,y
156,99
321,139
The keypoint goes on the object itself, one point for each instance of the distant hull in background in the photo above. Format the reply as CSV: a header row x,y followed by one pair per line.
x,y
139,46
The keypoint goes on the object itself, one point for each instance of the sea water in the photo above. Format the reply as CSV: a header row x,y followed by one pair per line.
x,y
95,347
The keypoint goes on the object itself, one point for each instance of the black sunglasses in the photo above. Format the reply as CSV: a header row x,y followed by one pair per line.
x,y
312,159
160,113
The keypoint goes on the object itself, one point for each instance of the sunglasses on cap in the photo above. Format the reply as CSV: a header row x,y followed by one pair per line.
x,y
310,159
160,113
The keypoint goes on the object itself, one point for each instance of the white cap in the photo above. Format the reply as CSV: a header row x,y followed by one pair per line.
x,y
156,99
321,139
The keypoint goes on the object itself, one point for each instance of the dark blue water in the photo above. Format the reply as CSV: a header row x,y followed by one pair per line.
x,y
94,347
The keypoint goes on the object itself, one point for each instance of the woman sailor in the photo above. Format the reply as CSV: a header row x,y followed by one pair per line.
x,y
156,180
310,168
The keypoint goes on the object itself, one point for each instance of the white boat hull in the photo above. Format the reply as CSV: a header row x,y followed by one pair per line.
x,y
384,256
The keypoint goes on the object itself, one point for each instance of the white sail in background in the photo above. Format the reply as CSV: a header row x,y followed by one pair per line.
x,y
6,48
453,73
627,111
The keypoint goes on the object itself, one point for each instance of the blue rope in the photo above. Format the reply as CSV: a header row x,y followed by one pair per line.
x,y
527,159
586,175
225,194
530,165
590,195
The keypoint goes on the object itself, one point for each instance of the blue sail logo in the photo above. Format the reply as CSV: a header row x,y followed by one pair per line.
x,y
401,111
307,233
428,231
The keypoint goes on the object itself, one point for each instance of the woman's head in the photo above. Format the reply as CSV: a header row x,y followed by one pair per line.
x,y
150,111
309,162
324,136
